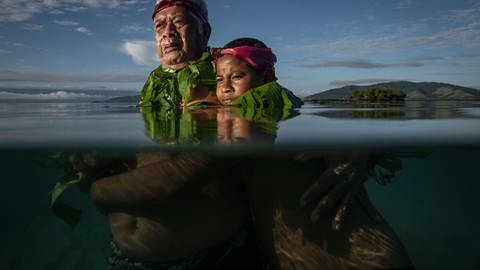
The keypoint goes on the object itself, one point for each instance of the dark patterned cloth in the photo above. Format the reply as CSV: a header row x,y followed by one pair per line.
x,y
240,252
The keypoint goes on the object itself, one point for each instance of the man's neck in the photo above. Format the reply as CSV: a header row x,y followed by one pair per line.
x,y
176,67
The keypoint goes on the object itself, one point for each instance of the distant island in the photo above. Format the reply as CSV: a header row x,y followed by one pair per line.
x,y
412,91
376,94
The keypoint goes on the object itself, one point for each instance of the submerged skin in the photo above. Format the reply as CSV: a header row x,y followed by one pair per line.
x,y
170,207
292,241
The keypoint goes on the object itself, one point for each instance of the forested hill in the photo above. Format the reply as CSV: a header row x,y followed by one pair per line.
x,y
421,90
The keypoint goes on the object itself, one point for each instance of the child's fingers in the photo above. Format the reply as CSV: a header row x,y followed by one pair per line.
x,y
346,205
320,187
340,192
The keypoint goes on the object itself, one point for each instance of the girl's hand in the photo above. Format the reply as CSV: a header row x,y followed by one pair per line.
x,y
337,187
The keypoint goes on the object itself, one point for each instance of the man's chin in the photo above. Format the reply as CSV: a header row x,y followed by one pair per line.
x,y
174,57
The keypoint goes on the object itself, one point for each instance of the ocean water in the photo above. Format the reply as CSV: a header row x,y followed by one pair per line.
x,y
431,202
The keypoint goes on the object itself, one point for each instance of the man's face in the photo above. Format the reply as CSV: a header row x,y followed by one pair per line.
x,y
177,37
234,78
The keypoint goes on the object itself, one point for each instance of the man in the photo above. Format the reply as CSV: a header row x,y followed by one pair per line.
x,y
186,72
179,211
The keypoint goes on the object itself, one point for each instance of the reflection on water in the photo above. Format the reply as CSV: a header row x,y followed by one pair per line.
x,y
110,125
431,219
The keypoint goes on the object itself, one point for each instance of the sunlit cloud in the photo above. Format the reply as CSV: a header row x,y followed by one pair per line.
x,y
425,34
22,10
19,10
134,28
467,36
76,9
33,27
16,75
110,3
56,12
142,52
47,96
75,26
52,3
403,4
66,23
83,30
462,15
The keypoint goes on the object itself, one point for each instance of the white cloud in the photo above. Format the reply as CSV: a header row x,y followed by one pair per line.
x,y
22,10
75,9
33,27
66,23
75,26
142,52
467,36
109,3
362,64
17,75
2,51
83,30
462,15
135,28
56,12
52,95
99,3
51,3
19,10
403,4
394,38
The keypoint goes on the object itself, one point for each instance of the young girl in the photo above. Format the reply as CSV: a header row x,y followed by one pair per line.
x,y
246,76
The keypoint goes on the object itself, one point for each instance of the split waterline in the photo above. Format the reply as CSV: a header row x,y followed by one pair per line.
x,y
431,203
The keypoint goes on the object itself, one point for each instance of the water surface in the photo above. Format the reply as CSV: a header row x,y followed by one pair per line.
x,y
431,203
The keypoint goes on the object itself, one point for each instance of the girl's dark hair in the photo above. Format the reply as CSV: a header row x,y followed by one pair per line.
x,y
269,73
252,42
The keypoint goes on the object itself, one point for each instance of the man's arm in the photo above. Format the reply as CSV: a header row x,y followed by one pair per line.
x,y
153,182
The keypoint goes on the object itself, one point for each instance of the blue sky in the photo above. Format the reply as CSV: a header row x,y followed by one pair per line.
x,y
66,44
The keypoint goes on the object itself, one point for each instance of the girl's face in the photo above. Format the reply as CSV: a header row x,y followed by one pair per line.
x,y
235,77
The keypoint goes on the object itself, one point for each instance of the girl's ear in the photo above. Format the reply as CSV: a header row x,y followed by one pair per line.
x,y
269,75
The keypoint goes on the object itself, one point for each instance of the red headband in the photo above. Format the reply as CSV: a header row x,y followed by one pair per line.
x,y
186,4
257,58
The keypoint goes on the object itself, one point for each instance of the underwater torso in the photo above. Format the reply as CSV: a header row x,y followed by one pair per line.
x,y
293,241
193,218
